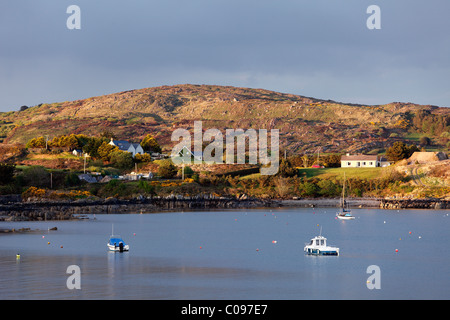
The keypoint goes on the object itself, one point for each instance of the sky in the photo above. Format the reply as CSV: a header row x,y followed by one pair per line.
x,y
315,48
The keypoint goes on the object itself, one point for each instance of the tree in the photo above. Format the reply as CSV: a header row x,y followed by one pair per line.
x,y
425,141
107,134
286,169
167,170
71,180
6,173
36,176
121,159
281,186
36,143
149,143
309,188
400,151
92,145
105,150
188,172
328,188
142,157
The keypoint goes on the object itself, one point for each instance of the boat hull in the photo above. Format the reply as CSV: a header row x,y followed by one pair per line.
x,y
322,252
118,248
345,217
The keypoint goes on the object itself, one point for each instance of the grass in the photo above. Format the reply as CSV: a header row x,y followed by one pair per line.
x,y
327,173
44,156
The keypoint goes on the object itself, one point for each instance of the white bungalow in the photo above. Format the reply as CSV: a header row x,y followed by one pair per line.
x,y
185,151
133,148
363,161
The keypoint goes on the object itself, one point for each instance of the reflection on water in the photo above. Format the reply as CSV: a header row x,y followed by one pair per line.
x,y
252,254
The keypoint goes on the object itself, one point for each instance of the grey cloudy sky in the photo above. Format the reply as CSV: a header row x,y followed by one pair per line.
x,y
316,48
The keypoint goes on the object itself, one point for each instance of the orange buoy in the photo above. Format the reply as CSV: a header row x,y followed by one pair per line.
x,y
396,250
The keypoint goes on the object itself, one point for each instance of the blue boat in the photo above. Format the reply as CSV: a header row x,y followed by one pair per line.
x,y
116,243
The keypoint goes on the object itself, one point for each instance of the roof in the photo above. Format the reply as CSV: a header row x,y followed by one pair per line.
x,y
116,240
362,157
125,145
193,153
122,144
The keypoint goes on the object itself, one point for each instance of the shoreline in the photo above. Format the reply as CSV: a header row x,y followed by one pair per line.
x,y
333,203
68,210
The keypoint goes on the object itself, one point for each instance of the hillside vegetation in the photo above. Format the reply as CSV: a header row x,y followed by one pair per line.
x,y
305,124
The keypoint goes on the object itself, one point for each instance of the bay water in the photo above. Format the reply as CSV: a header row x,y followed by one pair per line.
x,y
251,254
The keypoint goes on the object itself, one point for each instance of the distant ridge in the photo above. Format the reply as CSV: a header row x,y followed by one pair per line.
x,y
306,124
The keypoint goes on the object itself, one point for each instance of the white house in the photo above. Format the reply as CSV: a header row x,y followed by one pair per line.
x,y
363,161
185,151
133,148
77,152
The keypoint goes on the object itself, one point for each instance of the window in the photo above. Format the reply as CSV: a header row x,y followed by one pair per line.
x,y
349,164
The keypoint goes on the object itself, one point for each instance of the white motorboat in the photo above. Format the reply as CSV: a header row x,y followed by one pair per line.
x,y
318,246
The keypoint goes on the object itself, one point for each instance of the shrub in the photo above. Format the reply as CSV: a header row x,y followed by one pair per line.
x,y
33,192
167,170
36,176
122,160
71,180
6,173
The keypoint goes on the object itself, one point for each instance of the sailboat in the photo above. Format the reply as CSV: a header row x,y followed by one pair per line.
x,y
116,243
345,213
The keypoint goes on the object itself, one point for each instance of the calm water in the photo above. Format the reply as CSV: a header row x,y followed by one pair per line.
x,y
231,255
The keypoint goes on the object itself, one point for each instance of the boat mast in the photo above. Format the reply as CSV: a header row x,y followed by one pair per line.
x,y
343,194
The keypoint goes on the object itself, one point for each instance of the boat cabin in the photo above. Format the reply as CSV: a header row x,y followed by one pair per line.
x,y
318,246
318,241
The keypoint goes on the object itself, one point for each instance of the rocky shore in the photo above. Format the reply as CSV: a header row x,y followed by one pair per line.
x,y
436,204
66,210
38,210
333,202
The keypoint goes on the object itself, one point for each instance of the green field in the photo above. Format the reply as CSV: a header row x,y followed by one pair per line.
x,y
326,173
337,173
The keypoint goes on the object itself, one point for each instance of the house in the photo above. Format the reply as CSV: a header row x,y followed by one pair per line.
x,y
77,152
126,146
363,161
88,178
185,151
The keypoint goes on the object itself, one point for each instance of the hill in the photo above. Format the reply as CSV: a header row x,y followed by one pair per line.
x,y
306,124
